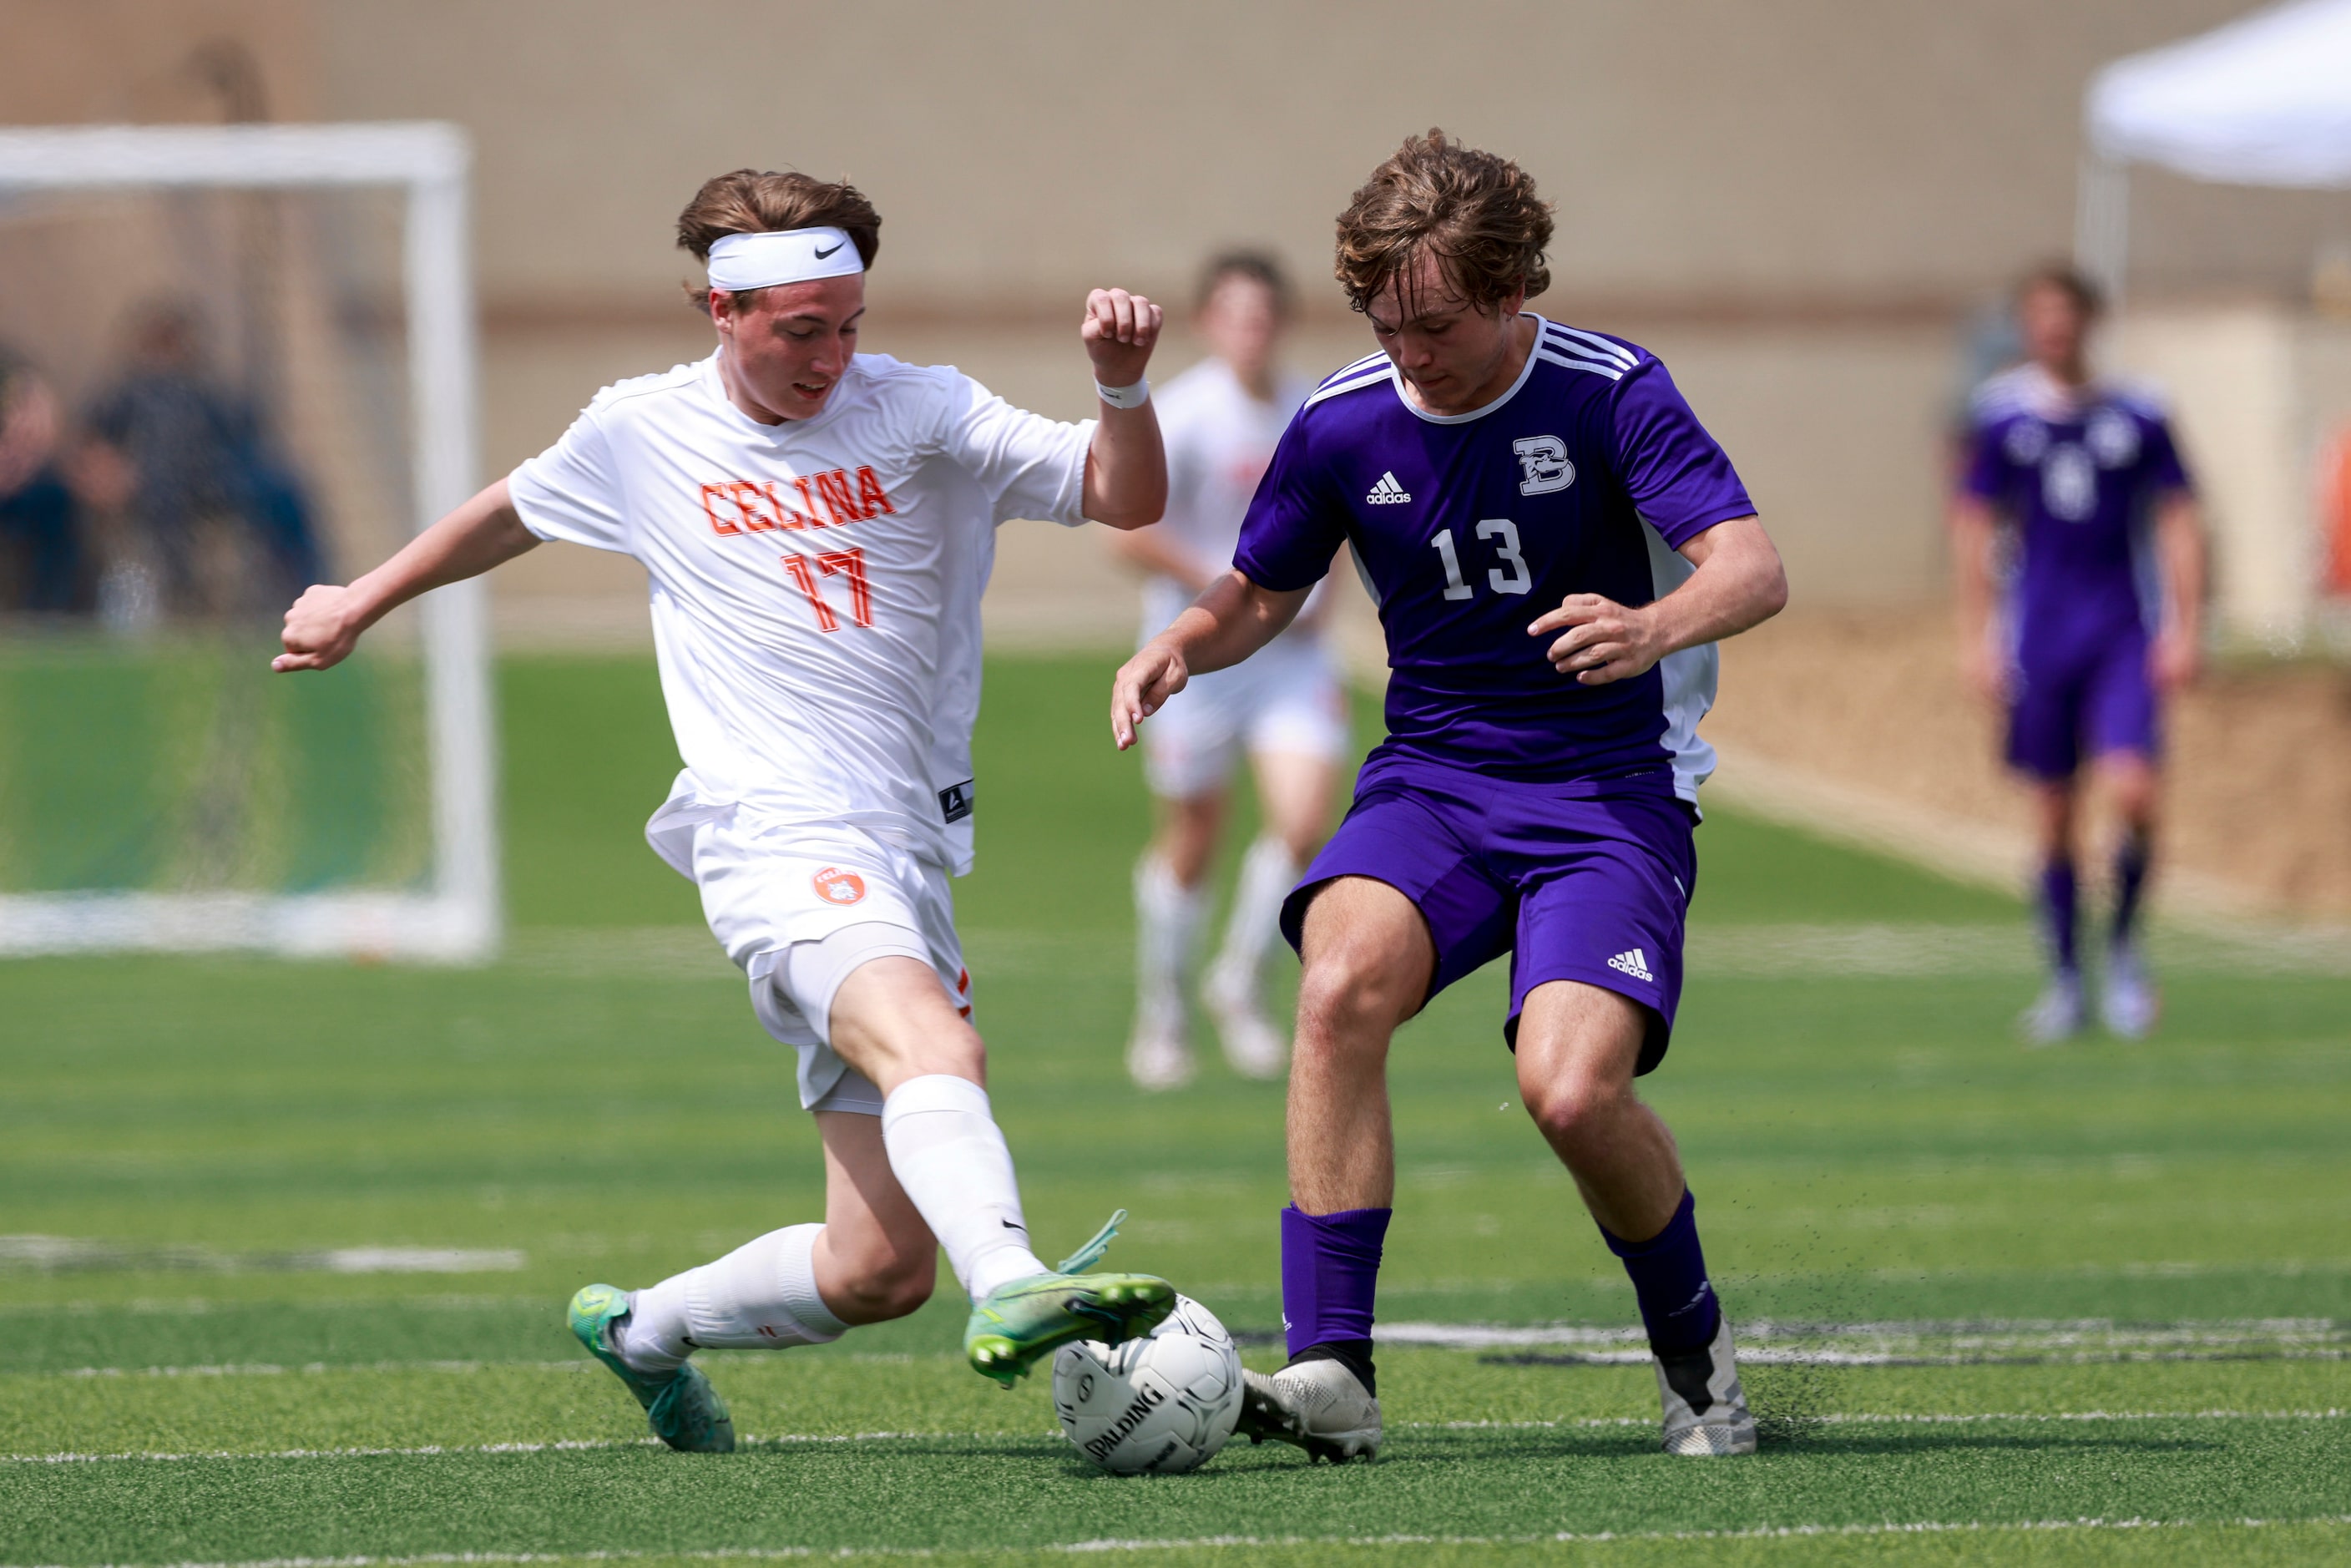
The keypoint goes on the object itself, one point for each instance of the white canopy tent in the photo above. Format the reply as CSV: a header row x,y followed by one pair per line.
x,y
2264,100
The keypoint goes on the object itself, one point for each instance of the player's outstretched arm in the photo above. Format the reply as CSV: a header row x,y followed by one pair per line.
x,y
1739,583
1126,467
1233,619
1975,535
325,623
2178,656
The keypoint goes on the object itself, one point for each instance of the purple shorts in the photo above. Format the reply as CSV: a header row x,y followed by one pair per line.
x,y
2097,701
1584,882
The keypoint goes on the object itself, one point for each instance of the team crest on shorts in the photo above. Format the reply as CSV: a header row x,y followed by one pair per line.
x,y
837,886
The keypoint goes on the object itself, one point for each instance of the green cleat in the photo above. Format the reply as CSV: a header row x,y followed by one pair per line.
x,y
1014,1326
681,1407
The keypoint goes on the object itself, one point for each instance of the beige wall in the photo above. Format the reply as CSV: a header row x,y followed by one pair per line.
x,y
1792,202
1711,151
63,61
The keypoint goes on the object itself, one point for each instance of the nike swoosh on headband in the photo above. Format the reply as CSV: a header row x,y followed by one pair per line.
x,y
743,261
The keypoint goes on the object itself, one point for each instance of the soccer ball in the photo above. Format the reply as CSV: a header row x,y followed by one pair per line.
x,y
1156,1405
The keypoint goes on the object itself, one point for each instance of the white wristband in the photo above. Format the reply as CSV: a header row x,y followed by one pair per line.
x,y
1124,397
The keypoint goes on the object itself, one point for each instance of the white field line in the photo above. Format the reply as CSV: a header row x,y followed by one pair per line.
x,y
1774,950
1765,1342
1902,1419
322,1368
577,1445
1762,1343
1202,1542
72,1254
314,1368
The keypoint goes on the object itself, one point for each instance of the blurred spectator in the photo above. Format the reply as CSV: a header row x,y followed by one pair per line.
x,y
2335,511
178,450
45,566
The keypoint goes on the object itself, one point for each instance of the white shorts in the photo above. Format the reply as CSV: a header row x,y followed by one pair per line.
x,y
767,889
1284,697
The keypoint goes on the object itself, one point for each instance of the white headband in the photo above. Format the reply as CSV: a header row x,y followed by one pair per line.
x,y
791,255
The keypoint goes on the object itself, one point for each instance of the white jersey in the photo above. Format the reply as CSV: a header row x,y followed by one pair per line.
x,y
815,584
1219,442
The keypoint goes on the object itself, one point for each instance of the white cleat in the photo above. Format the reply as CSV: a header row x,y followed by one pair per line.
x,y
1253,1047
2129,1001
1317,1404
1705,1410
2056,1016
1158,1060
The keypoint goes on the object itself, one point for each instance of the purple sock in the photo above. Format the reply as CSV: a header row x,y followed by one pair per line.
x,y
2059,898
1678,1305
2131,877
1330,1268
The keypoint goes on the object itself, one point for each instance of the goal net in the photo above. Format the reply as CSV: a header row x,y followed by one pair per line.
x,y
234,361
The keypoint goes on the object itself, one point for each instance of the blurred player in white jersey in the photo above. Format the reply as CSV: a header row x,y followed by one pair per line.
x,y
817,526
1222,420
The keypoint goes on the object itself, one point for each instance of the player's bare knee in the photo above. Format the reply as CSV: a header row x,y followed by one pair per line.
x,y
1573,1106
883,1288
2133,789
1347,990
956,1052
902,1287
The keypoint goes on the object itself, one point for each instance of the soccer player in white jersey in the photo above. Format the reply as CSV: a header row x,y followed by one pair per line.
x,y
817,526
1221,420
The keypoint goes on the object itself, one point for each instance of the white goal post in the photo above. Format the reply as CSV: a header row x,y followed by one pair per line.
x,y
449,911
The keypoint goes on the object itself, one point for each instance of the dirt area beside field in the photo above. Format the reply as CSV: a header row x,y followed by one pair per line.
x,y
2260,779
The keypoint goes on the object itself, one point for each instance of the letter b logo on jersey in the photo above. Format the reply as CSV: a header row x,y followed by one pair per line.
x,y
837,886
1542,465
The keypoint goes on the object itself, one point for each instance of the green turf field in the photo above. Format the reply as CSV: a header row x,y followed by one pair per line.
x,y
284,1248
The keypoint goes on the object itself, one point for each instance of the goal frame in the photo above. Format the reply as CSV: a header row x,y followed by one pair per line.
x,y
458,916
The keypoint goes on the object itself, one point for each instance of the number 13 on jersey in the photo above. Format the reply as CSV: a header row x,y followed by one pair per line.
x,y
1504,534
848,564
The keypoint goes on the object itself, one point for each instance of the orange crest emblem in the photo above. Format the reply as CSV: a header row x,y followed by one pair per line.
x,y
837,886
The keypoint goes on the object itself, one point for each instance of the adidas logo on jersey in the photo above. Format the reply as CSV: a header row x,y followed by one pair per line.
x,y
1388,493
1633,962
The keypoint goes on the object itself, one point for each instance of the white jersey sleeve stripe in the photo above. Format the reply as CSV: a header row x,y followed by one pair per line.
x,y
1591,343
1345,371
1611,372
1386,372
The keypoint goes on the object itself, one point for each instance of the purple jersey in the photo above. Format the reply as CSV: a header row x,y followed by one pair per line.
x,y
2076,476
1584,477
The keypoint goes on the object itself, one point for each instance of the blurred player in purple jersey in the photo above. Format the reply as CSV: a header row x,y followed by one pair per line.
x,y
1555,543
2080,585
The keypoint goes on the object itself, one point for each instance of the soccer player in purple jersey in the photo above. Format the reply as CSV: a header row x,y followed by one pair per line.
x,y
1555,543
2075,486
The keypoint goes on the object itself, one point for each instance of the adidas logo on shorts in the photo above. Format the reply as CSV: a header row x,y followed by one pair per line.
x,y
1388,493
1633,962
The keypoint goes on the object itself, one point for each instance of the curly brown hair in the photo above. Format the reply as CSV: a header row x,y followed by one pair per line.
x,y
1477,213
752,201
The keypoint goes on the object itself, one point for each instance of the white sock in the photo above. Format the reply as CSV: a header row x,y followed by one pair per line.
x,y
653,1337
1267,873
947,1153
763,1294
1166,928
